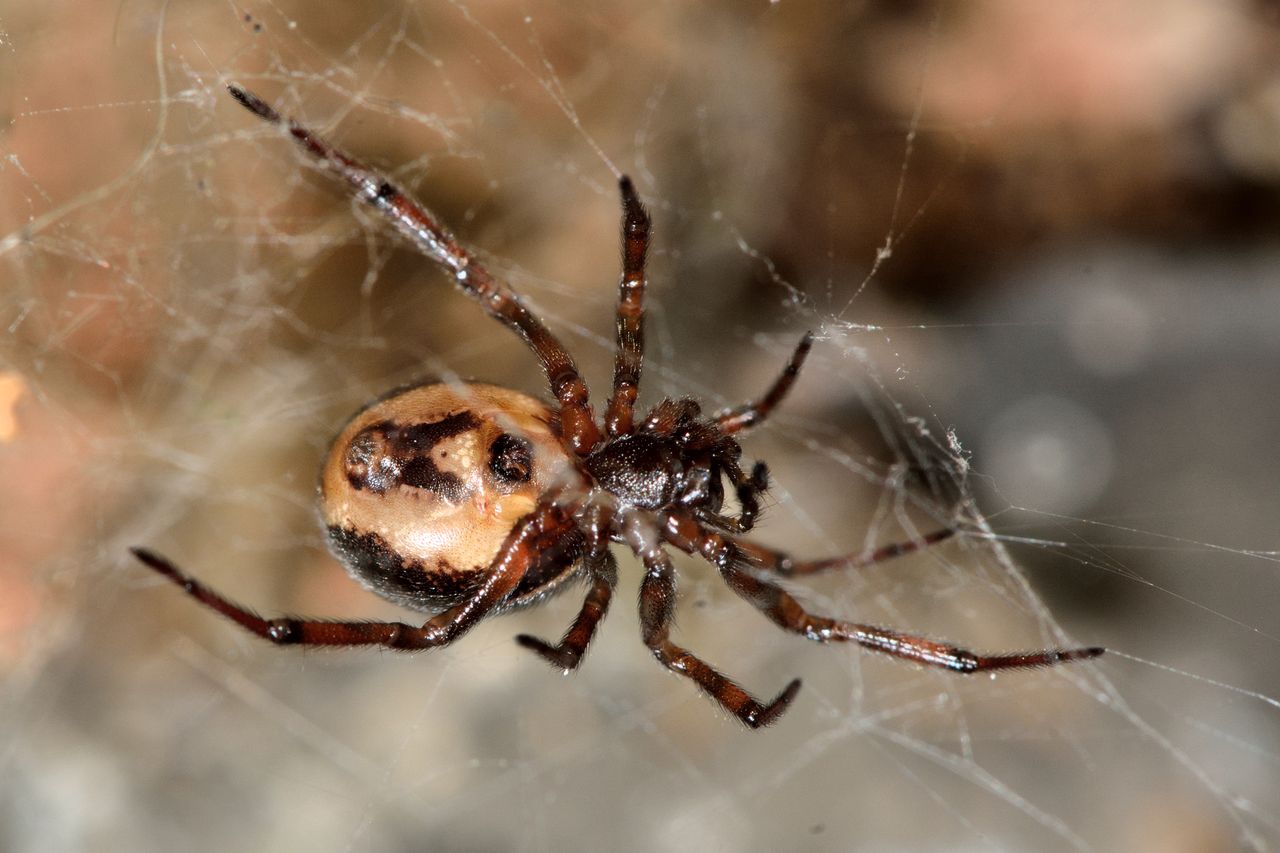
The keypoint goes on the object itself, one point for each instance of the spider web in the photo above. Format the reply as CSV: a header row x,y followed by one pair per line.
x,y
1038,248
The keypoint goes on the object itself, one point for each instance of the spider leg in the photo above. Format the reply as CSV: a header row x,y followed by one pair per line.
x,y
657,610
566,656
536,532
657,605
727,555
436,242
752,414
687,534
774,561
630,322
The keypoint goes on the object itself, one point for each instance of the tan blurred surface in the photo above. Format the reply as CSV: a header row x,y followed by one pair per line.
x,y
1040,238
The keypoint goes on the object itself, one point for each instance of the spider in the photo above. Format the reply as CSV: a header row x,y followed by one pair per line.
x,y
468,500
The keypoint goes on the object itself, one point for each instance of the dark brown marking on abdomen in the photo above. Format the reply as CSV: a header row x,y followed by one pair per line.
x,y
371,561
387,454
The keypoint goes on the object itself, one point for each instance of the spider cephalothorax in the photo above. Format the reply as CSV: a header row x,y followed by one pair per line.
x,y
676,459
464,500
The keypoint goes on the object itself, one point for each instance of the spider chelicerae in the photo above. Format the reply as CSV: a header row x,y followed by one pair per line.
x,y
466,500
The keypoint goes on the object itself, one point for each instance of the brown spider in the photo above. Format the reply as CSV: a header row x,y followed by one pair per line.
x,y
466,500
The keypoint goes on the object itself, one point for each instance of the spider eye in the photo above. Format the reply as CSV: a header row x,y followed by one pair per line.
x,y
511,459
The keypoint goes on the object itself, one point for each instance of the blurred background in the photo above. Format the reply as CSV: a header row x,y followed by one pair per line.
x,y
1038,242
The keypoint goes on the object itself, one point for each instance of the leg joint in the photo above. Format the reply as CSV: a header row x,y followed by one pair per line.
x,y
283,632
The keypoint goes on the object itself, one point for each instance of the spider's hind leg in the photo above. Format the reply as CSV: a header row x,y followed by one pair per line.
x,y
539,531
284,630
434,241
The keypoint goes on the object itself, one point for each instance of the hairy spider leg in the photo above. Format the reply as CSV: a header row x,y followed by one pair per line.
x,y
749,489
532,536
657,607
779,563
657,612
752,414
435,241
603,573
731,556
790,615
630,316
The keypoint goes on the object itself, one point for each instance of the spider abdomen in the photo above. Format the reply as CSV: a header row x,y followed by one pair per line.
x,y
420,489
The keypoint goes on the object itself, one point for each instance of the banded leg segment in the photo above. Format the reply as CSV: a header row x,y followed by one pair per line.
x,y
603,573
752,414
657,608
787,613
436,242
775,561
630,320
687,534
731,556
532,536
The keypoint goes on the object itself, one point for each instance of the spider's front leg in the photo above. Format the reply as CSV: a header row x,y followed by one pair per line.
x,y
630,319
752,414
536,533
782,564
